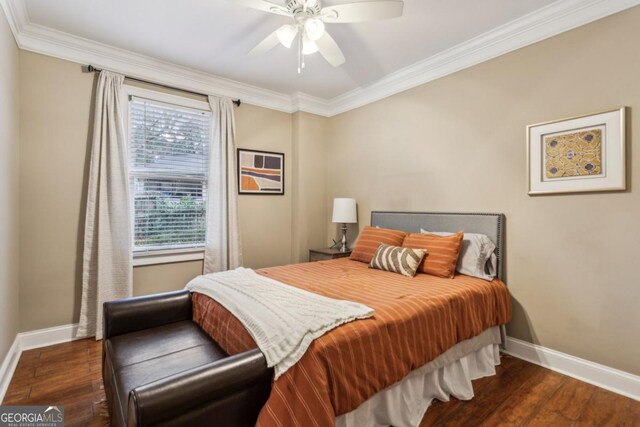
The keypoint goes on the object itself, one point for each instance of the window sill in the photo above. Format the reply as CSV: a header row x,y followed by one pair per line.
x,y
169,257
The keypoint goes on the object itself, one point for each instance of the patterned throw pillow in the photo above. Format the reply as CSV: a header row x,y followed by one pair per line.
x,y
443,252
369,240
397,259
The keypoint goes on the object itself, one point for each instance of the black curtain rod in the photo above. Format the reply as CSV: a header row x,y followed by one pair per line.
x,y
92,69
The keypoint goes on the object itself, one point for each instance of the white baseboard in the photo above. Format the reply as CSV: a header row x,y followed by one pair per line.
x,y
27,341
48,336
8,366
608,378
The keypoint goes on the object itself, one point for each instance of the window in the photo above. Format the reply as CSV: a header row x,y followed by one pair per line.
x,y
169,162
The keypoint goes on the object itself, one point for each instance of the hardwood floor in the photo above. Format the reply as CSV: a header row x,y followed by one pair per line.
x,y
521,394
66,375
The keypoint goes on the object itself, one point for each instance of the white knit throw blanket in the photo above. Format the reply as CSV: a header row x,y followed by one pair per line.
x,y
283,320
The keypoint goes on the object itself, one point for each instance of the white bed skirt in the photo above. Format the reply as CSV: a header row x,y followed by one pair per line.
x,y
404,404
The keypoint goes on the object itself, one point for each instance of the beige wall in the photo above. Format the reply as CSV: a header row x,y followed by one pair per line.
x,y
54,119
310,192
56,100
458,144
265,221
9,157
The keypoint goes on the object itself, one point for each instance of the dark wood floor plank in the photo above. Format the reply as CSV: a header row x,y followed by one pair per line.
x,y
605,409
631,417
494,393
521,405
60,366
70,386
16,396
438,411
29,357
24,372
566,405
63,356
441,410
520,394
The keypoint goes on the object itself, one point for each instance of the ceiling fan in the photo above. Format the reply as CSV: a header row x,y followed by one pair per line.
x,y
308,26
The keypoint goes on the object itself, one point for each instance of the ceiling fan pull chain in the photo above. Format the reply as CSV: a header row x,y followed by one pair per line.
x,y
301,49
299,52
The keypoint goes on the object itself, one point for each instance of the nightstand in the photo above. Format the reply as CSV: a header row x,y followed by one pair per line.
x,y
326,253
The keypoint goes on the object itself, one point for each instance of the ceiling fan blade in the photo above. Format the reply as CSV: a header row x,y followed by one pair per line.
x,y
329,50
266,44
265,6
362,11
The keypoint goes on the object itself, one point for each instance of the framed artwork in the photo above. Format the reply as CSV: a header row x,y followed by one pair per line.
x,y
579,154
260,172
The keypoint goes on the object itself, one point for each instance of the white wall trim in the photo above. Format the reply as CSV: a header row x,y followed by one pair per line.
x,y
556,18
48,336
599,375
8,367
310,104
151,258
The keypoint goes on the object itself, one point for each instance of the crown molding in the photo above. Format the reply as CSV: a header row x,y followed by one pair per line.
x,y
551,20
310,104
556,18
47,41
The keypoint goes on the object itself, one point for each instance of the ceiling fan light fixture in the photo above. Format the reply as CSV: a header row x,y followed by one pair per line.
x,y
314,28
287,35
308,46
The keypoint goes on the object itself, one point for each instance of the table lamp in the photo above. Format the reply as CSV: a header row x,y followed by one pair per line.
x,y
344,212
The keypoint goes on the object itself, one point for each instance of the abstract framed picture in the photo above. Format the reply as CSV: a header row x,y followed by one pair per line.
x,y
260,172
579,154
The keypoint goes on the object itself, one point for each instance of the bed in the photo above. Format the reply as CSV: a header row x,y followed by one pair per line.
x,y
428,339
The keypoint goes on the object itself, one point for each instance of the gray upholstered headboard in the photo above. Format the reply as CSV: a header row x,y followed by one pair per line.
x,y
489,224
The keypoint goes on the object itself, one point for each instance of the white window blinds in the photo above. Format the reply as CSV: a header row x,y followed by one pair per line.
x,y
168,151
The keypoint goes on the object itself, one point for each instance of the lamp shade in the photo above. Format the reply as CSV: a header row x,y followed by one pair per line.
x,y
344,211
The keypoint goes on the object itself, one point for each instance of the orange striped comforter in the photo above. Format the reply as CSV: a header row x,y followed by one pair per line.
x,y
416,319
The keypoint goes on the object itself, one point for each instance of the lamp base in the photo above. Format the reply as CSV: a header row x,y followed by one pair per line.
x,y
343,246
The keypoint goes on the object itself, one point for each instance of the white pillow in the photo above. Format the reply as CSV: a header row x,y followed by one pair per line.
x,y
477,255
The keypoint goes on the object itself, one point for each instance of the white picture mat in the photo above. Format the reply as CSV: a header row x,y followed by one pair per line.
x,y
613,177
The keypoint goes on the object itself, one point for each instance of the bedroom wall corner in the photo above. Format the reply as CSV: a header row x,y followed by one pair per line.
x,y
9,182
309,203
457,144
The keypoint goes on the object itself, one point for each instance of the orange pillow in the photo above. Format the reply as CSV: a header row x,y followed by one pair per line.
x,y
370,239
442,252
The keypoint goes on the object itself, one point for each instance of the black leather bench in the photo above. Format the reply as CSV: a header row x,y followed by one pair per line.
x,y
160,369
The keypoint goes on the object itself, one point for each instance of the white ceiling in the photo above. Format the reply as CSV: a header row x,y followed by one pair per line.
x,y
214,36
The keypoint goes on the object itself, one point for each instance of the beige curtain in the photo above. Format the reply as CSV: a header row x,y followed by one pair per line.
x,y
223,249
108,261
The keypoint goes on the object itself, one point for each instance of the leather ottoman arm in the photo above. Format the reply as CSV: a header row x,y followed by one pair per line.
x,y
222,392
134,314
